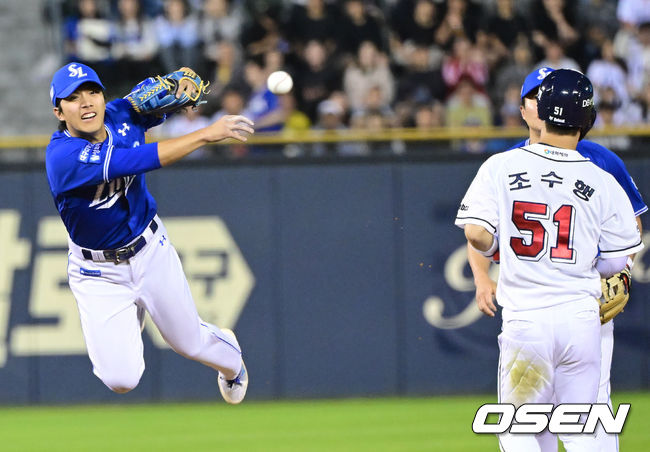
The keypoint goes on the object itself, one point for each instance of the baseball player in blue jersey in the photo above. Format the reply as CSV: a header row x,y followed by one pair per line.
x,y
121,261
486,287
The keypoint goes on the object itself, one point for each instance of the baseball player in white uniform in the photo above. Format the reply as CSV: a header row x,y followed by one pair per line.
x,y
121,261
486,288
562,223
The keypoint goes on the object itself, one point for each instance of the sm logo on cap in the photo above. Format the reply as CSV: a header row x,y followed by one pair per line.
x,y
543,72
76,71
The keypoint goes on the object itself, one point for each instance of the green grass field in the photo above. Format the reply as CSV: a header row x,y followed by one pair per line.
x,y
398,424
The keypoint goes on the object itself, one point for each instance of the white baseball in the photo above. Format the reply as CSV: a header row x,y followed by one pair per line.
x,y
279,82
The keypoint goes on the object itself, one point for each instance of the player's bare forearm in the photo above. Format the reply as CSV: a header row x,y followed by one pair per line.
x,y
485,286
479,264
478,237
174,149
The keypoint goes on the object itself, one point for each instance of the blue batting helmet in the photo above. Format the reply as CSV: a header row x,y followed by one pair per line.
x,y
566,99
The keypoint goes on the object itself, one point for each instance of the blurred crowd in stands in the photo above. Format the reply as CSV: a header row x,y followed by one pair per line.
x,y
368,64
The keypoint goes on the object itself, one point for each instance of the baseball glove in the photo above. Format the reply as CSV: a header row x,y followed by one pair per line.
x,y
616,292
157,95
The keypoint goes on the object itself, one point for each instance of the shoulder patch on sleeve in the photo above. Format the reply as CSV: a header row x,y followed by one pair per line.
x,y
91,153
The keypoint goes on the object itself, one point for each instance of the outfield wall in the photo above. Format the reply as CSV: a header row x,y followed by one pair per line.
x,y
340,280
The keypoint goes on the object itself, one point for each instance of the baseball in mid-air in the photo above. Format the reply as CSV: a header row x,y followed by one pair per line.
x,y
279,82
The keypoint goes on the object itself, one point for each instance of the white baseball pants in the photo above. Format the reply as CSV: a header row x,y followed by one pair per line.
x,y
548,355
109,297
607,443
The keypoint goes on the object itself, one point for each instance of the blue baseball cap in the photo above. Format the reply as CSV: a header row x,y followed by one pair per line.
x,y
69,78
534,79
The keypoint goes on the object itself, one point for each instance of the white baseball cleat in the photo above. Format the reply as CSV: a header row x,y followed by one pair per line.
x,y
233,391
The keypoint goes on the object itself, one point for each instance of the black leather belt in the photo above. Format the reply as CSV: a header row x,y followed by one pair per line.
x,y
122,254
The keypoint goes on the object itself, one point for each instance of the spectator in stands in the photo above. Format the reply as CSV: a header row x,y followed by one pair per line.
x,y
263,107
594,18
511,102
630,18
295,120
632,13
606,111
468,106
460,19
404,113
509,116
608,71
554,20
232,103
314,21
316,78
88,39
555,57
644,103
422,80
151,8
373,104
506,25
135,44
177,31
274,61
513,71
356,26
623,114
415,23
330,119
330,116
262,32
253,8
465,61
342,100
429,115
637,56
375,121
433,45
413,26
368,71
227,70
607,118
221,20
504,28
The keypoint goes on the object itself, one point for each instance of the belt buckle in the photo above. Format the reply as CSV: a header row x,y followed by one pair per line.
x,y
122,255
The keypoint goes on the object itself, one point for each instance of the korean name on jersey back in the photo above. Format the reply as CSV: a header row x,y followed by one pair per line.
x,y
553,210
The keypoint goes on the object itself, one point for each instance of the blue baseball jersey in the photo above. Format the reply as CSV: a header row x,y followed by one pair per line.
x,y
612,163
99,189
